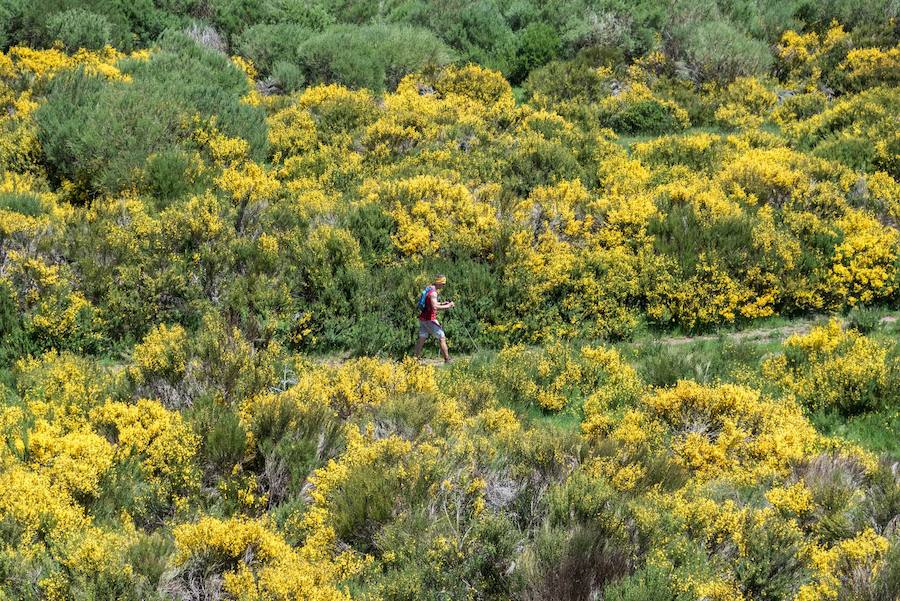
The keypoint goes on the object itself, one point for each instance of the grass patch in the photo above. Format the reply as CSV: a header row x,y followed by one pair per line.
x,y
878,431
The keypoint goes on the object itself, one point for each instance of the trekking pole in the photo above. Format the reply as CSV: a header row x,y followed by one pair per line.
x,y
472,340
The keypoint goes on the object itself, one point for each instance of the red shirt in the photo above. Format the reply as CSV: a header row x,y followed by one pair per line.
x,y
429,313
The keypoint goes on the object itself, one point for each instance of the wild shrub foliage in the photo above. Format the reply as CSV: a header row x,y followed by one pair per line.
x,y
176,236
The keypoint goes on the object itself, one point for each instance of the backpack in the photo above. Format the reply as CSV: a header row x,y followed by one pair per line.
x,y
423,297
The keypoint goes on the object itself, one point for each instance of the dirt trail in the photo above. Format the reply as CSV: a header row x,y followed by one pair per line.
x,y
755,334
781,332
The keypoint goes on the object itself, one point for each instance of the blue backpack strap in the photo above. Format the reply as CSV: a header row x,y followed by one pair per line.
x,y
423,296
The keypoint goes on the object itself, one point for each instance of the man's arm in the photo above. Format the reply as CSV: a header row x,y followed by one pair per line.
x,y
439,305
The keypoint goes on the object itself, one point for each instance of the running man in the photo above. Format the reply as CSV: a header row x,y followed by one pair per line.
x,y
428,323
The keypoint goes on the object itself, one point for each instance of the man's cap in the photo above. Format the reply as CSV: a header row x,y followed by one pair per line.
x,y
441,279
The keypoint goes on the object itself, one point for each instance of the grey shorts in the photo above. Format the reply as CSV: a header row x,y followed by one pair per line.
x,y
430,328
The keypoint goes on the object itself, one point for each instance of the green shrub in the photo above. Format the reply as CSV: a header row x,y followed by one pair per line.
x,y
96,133
224,441
198,80
99,134
560,81
477,31
637,110
772,567
570,564
24,203
312,15
647,584
715,50
150,556
538,44
864,319
268,45
372,56
14,339
78,28
231,17
169,175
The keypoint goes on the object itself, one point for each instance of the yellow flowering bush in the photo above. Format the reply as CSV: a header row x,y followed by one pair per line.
x,y
254,561
159,438
745,103
174,233
434,215
162,353
804,55
833,368
872,66
731,429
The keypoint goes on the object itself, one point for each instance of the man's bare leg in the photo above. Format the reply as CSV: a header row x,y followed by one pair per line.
x,y
445,353
420,344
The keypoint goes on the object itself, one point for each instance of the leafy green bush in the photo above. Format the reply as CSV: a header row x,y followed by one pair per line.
x,y
864,319
77,28
647,584
476,31
99,133
372,56
538,44
231,17
716,50
771,569
560,81
637,110
96,133
274,47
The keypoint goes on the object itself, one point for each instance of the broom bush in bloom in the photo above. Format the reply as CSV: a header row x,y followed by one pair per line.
x,y
206,283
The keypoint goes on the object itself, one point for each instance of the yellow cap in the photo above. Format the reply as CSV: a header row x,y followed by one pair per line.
x,y
440,280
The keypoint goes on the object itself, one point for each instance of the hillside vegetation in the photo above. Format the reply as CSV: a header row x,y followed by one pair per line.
x,y
200,199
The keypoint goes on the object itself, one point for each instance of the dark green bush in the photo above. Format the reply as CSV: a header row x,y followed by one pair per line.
x,y
477,30
231,17
168,175
97,133
224,441
537,45
772,567
560,81
569,565
14,339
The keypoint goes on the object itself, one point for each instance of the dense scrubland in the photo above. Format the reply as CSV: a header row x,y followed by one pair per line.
x,y
215,217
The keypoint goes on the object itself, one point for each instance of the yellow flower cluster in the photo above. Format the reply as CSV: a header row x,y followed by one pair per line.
x,y
162,352
160,439
21,61
861,553
802,54
434,215
745,103
872,66
255,562
731,430
833,368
